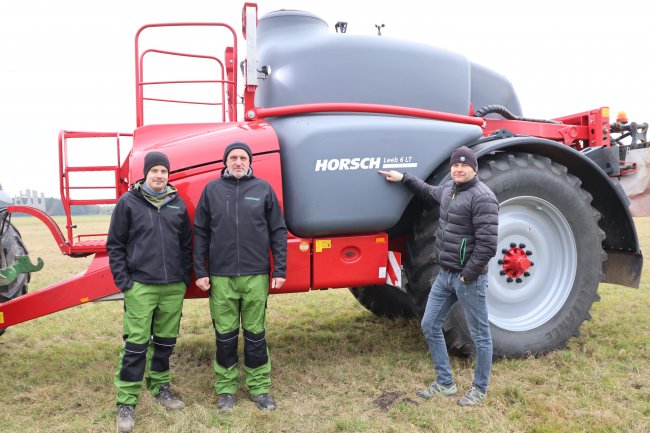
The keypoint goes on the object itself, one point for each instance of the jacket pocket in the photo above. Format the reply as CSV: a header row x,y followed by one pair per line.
x,y
461,252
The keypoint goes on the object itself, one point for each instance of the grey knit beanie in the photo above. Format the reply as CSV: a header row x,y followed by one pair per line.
x,y
237,145
152,159
465,155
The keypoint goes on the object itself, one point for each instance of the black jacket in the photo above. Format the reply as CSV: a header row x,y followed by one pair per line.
x,y
466,237
147,244
236,223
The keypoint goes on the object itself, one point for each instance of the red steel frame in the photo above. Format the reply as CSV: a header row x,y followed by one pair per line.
x,y
230,68
119,185
581,130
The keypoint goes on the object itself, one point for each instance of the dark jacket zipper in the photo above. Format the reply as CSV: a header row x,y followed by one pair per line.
x,y
442,233
237,223
162,239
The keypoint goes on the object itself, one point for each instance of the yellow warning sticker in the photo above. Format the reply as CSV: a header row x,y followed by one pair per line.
x,y
2,317
321,244
605,112
83,300
380,240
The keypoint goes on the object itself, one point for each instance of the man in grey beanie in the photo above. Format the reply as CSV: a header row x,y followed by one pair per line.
x,y
466,240
150,254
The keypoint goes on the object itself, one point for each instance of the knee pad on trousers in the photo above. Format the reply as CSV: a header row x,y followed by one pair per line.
x,y
133,362
227,348
255,354
162,350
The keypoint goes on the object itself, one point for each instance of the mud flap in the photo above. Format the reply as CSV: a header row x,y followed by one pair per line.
x,y
637,184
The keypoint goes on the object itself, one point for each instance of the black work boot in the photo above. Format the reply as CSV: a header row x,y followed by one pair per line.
x,y
264,402
226,402
167,400
125,418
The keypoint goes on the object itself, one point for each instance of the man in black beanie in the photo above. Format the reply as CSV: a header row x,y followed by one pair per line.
x,y
237,221
150,254
466,240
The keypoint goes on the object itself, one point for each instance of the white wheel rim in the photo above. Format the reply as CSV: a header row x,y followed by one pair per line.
x,y
547,235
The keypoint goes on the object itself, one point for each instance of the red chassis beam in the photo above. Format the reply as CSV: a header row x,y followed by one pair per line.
x,y
95,283
63,245
587,129
67,247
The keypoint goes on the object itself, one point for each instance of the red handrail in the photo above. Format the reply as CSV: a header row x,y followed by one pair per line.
x,y
231,57
64,180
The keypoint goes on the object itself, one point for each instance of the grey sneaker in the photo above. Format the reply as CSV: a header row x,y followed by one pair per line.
x,y
167,400
226,402
264,402
436,389
473,397
125,418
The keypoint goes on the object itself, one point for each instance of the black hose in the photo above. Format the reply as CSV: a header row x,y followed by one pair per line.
x,y
507,114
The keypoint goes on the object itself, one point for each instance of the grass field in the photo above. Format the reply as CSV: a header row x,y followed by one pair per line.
x,y
336,368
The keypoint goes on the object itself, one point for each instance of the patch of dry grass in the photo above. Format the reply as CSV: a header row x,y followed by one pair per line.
x,y
336,368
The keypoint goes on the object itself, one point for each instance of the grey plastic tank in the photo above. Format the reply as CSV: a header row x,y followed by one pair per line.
x,y
330,161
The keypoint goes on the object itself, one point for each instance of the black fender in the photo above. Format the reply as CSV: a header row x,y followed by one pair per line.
x,y
624,259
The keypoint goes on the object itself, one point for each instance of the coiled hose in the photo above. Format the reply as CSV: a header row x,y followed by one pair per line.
x,y
507,114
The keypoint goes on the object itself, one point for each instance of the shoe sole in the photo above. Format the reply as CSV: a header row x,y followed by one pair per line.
x,y
435,395
266,409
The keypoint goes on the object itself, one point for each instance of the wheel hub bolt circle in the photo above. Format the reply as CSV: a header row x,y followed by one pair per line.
x,y
515,262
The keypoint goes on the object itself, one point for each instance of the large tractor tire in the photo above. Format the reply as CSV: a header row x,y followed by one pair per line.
x,y
11,247
384,300
545,277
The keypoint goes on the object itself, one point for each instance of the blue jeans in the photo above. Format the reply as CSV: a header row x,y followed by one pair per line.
x,y
446,290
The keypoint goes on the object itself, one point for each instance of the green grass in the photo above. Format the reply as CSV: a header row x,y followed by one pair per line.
x,y
336,368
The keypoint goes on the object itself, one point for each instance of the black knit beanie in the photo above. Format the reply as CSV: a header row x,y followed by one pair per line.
x,y
237,145
465,155
152,159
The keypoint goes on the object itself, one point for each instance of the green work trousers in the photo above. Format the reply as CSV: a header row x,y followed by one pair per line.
x,y
152,314
235,299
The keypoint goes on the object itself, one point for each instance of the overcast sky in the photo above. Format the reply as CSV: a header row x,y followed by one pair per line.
x,y
68,64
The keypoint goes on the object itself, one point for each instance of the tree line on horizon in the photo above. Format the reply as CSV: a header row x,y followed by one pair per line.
x,y
54,207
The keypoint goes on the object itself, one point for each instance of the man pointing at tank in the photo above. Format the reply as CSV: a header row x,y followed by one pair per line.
x,y
237,222
466,240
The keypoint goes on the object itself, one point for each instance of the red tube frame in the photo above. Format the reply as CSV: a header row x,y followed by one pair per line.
x,y
348,107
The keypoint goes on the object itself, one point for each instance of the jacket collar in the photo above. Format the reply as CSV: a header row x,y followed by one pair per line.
x,y
466,185
170,194
225,174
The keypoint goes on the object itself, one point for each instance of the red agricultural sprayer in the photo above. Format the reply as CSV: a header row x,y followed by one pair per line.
x,y
322,112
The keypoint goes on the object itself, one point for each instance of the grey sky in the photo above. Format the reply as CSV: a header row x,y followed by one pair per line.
x,y
69,64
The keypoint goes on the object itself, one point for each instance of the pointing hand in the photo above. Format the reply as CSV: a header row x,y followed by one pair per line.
x,y
392,175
